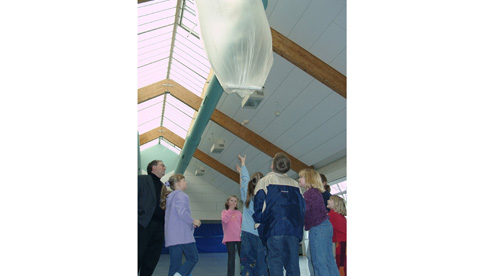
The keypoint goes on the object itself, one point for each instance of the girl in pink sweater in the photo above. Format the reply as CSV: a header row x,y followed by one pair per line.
x,y
232,228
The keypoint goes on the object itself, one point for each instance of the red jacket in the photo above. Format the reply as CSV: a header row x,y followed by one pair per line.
x,y
339,223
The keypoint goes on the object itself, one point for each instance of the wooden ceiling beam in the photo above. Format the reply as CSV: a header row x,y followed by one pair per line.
x,y
179,142
309,63
194,101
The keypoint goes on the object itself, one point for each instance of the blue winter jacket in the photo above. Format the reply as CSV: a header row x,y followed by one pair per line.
x,y
279,207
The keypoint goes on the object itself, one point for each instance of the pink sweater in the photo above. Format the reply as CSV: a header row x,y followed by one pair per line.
x,y
232,225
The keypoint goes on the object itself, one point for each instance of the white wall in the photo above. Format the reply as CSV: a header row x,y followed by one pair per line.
x,y
206,201
335,170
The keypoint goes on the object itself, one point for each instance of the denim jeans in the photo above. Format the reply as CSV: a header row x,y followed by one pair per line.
x,y
282,251
320,254
191,256
252,256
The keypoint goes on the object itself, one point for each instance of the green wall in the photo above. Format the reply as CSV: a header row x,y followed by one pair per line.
x,y
158,152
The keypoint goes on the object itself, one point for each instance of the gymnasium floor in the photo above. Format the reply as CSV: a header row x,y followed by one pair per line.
x,y
213,264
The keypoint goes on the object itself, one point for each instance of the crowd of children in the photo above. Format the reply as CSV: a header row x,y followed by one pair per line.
x,y
267,235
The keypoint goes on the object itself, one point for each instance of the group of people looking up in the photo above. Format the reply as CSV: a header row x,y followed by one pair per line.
x,y
272,227
266,236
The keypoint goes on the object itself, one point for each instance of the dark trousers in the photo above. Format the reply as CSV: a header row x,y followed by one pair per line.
x,y
231,256
150,242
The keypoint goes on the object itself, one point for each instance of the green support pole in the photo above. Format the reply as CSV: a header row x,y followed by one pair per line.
x,y
210,101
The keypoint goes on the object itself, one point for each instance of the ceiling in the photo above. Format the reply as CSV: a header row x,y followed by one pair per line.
x,y
311,121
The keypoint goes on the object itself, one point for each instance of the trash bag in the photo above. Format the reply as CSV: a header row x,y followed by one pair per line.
x,y
238,42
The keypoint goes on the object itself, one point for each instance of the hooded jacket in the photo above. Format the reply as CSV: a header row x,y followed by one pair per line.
x,y
279,207
178,219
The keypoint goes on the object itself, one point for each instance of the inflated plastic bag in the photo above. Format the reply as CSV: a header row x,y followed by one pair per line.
x,y
238,42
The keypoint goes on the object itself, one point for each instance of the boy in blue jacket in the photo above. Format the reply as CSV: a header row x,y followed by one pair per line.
x,y
279,216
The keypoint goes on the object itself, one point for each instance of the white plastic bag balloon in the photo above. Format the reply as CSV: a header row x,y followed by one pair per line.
x,y
238,42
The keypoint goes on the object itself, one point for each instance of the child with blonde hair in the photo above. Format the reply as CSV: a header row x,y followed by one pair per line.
x,y
231,224
179,226
316,222
337,214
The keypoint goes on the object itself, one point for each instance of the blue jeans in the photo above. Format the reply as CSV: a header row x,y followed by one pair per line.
x,y
191,256
320,254
282,251
252,256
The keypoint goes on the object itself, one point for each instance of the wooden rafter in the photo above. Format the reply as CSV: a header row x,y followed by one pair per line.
x,y
309,63
179,142
192,100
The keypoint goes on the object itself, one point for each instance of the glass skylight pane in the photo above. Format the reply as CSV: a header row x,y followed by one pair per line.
x,y
161,75
155,5
186,75
182,55
189,16
169,146
155,15
193,51
182,121
151,103
158,74
180,105
149,114
338,188
174,128
149,125
149,144
193,42
174,75
153,35
159,44
177,116
153,67
156,19
343,185
334,189
153,60
152,112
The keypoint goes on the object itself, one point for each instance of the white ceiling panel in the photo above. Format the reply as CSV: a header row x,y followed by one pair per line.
x,y
290,87
308,99
286,14
320,135
341,19
327,152
231,104
340,62
319,115
270,7
316,19
330,44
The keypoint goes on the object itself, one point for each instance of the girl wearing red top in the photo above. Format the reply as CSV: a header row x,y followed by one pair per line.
x,y
232,228
337,214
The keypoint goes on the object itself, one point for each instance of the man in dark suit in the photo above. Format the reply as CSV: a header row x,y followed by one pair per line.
x,y
151,218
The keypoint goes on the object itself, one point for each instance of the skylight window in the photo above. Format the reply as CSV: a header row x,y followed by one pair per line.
x,y
149,144
177,116
150,114
159,58
170,146
189,20
339,188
